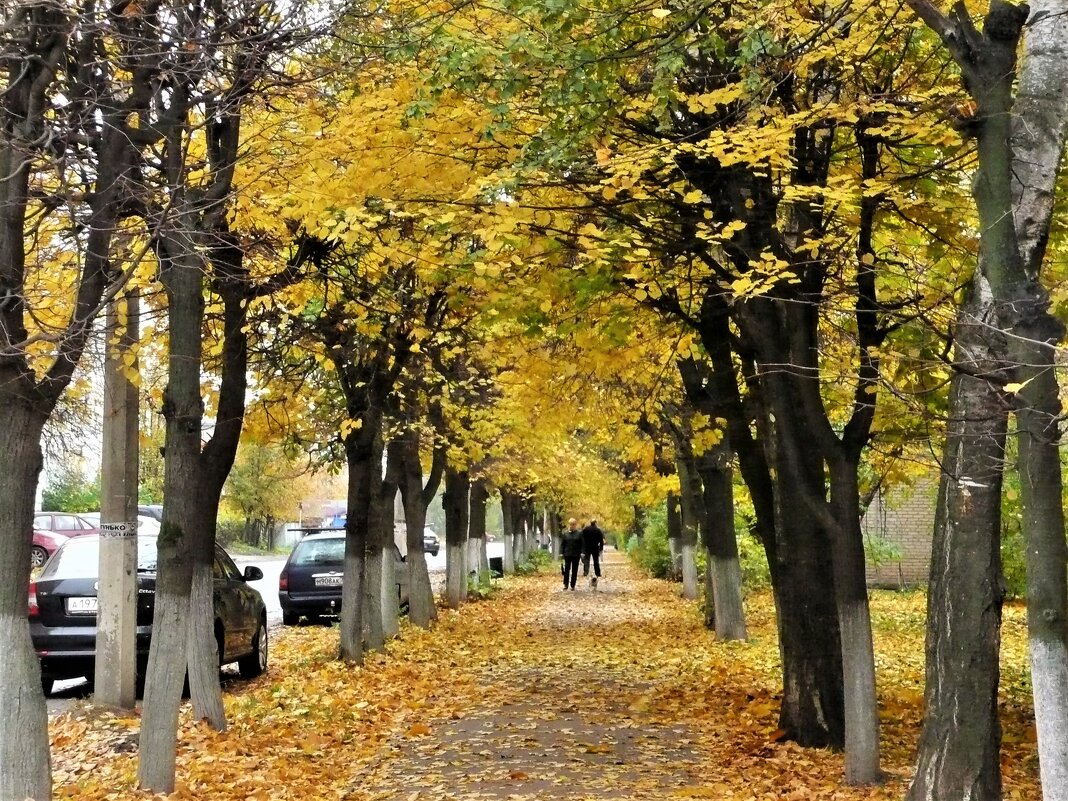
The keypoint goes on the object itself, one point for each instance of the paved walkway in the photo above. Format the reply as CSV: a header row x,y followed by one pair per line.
x,y
568,719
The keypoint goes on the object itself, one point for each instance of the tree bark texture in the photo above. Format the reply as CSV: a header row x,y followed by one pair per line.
x,y
1020,152
455,502
359,456
476,525
692,507
508,534
416,498
797,550
181,274
674,534
24,746
961,735
726,613
374,554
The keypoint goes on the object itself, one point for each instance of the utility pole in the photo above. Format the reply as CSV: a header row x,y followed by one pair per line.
x,y
116,645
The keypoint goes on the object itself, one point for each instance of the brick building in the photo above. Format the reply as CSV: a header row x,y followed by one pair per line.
x,y
898,529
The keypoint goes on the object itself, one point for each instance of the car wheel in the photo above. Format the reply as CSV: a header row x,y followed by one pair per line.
x,y
255,663
290,618
38,556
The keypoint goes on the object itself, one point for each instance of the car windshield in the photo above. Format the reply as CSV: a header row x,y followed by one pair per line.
x,y
319,552
80,558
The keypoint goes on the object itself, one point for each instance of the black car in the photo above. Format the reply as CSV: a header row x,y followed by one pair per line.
x,y
431,541
310,583
63,607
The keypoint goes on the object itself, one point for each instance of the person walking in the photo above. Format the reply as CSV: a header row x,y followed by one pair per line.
x,y
570,553
592,546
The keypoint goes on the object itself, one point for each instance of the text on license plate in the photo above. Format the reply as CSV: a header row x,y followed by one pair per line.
x,y
81,606
328,581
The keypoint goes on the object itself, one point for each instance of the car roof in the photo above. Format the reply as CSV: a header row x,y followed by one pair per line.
x,y
324,535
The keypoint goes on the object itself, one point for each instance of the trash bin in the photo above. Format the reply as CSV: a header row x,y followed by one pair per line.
x,y
496,566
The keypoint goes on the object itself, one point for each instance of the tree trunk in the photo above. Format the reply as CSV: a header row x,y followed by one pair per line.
x,y
478,497
674,534
202,649
416,498
812,710
796,547
24,751
961,736
1021,146
374,553
359,456
726,612
508,502
456,502
854,621
181,274
692,504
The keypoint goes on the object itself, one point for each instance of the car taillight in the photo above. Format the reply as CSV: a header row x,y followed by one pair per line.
x,y
35,610
283,582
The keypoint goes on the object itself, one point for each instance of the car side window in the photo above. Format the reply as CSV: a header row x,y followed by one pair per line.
x,y
67,523
225,567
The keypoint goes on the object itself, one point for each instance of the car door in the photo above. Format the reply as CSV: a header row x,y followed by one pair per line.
x,y
235,605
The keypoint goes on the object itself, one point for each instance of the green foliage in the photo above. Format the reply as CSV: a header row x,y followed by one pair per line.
x,y
479,587
71,491
878,550
650,552
754,562
535,560
1013,566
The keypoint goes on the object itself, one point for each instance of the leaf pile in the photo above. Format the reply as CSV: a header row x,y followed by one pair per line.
x,y
614,694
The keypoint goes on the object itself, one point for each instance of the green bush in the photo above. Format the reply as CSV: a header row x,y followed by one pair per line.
x,y
533,562
1012,557
650,552
71,491
754,562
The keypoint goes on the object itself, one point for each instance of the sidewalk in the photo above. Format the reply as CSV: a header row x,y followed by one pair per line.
x,y
617,694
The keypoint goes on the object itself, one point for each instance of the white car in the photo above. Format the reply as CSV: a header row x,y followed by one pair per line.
x,y
145,524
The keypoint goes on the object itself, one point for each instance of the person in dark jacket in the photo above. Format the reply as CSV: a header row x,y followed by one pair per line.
x,y
592,545
570,553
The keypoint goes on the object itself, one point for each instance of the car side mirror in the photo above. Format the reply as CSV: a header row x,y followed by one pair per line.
x,y
252,573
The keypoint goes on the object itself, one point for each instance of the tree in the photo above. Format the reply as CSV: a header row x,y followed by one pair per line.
x,y
1020,137
69,145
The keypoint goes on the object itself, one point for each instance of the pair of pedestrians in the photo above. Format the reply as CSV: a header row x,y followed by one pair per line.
x,y
580,545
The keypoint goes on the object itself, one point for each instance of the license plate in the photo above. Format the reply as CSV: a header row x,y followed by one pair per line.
x,y
328,581
81,606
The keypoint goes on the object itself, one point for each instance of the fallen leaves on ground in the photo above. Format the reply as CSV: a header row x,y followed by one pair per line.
x,y
538,693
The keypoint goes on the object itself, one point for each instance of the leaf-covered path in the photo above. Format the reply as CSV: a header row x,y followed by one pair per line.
x,y
618,693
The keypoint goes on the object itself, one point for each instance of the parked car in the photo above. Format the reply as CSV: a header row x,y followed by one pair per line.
x,y
310,582
45,543
63,606
431,542
71,525
145,524
153,510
